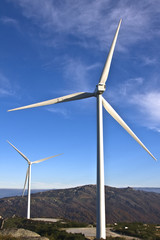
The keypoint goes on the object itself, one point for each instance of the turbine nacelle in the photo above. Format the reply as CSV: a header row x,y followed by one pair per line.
x,y
100,88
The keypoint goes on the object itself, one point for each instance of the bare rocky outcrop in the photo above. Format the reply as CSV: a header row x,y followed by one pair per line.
x,y
22,234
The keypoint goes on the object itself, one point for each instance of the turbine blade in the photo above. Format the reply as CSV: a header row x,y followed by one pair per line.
x,y
106,68
19,152
44,159
25,181
67,98
115,115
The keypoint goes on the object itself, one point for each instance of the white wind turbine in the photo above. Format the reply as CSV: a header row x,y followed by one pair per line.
x,y
28,176
100,88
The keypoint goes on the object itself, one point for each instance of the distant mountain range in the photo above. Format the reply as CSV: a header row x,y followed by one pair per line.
x,y
6,192
10,192
148,189
79,204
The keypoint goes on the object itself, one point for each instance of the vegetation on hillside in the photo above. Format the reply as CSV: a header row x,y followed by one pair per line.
x,y
46,229
9,237
54,231
51,230
140,230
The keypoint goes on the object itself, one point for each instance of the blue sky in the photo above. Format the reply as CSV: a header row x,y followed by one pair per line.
x,y
53,48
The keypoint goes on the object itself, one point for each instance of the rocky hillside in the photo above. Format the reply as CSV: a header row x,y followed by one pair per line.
x,y
22,234
79,204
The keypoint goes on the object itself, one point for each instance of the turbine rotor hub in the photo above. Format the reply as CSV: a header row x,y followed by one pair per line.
x,y
100,88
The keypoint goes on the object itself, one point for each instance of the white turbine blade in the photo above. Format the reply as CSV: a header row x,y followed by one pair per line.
x,y
44,159
106,68
115,115
67,98
19,152
25,182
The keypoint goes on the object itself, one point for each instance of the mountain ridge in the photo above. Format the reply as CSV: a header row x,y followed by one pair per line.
x,y
13,192
79,204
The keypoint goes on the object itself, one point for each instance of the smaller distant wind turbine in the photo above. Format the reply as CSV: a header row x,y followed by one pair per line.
x,y
28,176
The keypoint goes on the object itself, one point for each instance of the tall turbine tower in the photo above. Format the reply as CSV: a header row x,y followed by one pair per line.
x,y
28,176
100,88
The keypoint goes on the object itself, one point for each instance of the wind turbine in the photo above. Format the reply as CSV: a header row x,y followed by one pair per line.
x,y
28,176
100,88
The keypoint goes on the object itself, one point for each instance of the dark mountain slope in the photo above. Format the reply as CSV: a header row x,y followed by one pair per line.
x,y
130,205
79,204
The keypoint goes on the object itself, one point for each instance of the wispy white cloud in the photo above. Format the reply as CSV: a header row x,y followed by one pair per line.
x,y
149,105
92,23
79,74
56,110
9,21
125,90
148,60
143,100
5,86
130,85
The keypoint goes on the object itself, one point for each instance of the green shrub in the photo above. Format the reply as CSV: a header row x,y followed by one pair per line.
x,y
8,237
143,231
50,230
